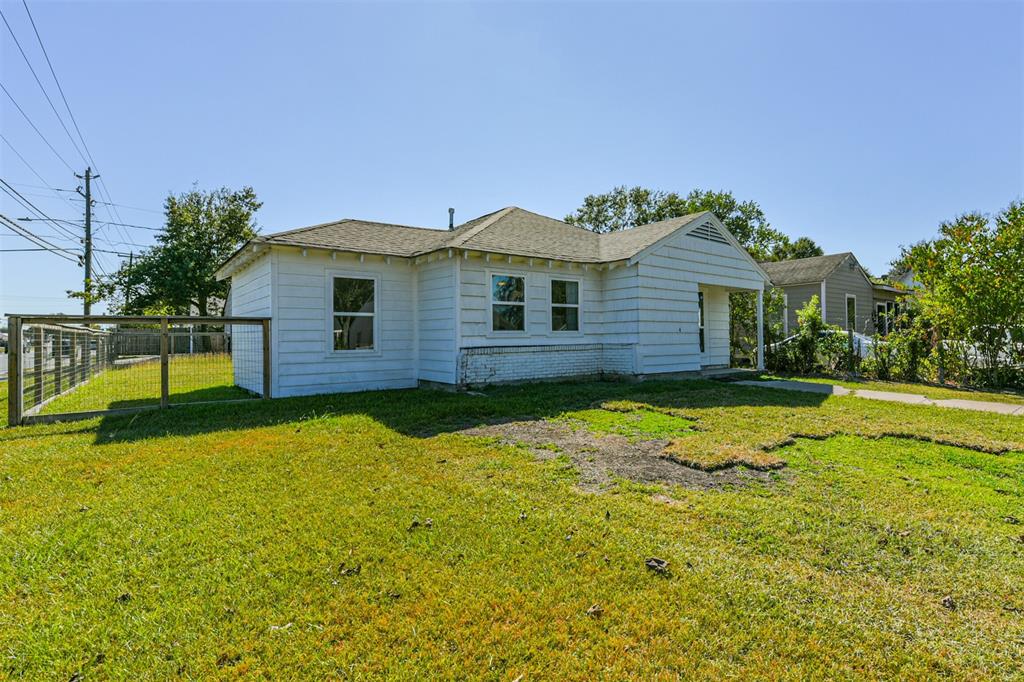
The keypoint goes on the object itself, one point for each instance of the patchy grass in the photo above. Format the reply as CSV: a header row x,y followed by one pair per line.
x,y
290,539
192,378
927,390
642,423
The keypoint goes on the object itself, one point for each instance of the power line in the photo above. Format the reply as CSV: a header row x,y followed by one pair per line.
x,y
17,196
25,184
22,111
133,208
37,240
104,191
40,84
45,185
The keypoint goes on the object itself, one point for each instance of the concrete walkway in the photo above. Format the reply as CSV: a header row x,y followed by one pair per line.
x,y
907,398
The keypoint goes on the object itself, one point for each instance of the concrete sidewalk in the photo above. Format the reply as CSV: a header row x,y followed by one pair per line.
x,y
906,398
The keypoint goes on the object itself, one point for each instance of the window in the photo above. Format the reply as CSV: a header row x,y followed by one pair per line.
x,y
882,320
355,308
700,318
851,312
565,305
785,314
508,303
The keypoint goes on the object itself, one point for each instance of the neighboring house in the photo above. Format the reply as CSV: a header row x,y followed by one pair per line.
x,y
508,296
849,299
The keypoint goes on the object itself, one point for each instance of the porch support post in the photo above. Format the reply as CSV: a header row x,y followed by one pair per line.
x,y
760,329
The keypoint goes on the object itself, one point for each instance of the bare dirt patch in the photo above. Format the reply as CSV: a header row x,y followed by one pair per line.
x,y
601,458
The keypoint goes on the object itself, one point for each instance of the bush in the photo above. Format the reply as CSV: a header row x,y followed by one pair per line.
x,y
813,351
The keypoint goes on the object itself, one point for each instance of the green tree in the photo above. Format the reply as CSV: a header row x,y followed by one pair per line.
x,y
973,278
801,247
176,276
625,207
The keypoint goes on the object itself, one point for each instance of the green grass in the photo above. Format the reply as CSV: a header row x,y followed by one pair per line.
x,y
277,540
192,378
634,424
927,390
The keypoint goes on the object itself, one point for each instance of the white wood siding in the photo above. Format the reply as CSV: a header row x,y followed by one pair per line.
x,y
250,295
716,325
475,307
669,277
305,362
435,293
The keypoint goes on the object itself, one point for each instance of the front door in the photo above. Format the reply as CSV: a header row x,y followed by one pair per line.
x,y
701,332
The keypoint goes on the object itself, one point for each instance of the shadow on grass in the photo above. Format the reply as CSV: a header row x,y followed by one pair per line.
x,y
427,412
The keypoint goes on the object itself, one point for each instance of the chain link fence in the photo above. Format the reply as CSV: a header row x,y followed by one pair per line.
x,y
75,367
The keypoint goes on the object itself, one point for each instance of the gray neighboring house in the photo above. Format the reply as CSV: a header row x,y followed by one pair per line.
x,y
848,297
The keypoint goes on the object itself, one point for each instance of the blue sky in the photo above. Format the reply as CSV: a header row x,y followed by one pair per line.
x,y
862,125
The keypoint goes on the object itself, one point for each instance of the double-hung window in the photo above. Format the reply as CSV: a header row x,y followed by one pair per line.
x,y
508,303
565,305
355,311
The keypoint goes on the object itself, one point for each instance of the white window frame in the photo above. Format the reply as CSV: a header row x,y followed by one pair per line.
x,y
491,331
847,312
578,305
331,275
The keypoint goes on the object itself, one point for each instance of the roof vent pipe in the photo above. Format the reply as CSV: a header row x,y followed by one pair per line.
x,y
451,218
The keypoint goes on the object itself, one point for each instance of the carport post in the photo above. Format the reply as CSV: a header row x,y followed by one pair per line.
x,y
760,329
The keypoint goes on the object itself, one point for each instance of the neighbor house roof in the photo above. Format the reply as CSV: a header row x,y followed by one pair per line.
x,y
803,270
512,230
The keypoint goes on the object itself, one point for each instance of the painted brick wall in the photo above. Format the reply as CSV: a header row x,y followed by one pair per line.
x,y
483,365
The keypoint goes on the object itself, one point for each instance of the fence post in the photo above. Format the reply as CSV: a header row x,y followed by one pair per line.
x,y
37,390
165,388
14,396
58,368
266,359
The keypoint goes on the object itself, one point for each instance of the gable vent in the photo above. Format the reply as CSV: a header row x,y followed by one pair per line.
x,y
708,232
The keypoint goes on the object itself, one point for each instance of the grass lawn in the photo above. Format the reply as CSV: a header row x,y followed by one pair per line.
x,y
191,378
366,535
933,392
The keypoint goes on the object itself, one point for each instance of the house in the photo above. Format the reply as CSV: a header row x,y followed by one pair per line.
x,y
511,295
848,296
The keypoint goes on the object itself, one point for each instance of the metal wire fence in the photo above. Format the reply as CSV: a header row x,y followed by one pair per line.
x,y
66,367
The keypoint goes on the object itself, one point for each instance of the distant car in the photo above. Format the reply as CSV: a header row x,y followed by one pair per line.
x,y
862,344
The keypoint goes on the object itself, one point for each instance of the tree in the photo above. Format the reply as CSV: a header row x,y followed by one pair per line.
x,y
625,207
973,287
801,247
176,277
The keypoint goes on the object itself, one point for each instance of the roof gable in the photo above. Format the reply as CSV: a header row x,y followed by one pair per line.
x,y
804,270
511,230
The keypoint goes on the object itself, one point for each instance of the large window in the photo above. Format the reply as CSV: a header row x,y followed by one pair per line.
x,y
851,312
508,303
700,318
565,305
355,308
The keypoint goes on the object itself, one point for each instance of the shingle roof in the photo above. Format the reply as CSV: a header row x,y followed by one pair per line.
x,y
511,230
803,270
363,236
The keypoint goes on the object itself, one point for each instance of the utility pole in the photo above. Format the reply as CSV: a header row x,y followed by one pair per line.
x,y
88,177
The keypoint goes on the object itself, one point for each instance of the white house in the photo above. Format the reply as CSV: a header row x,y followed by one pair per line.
x,y
511,295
